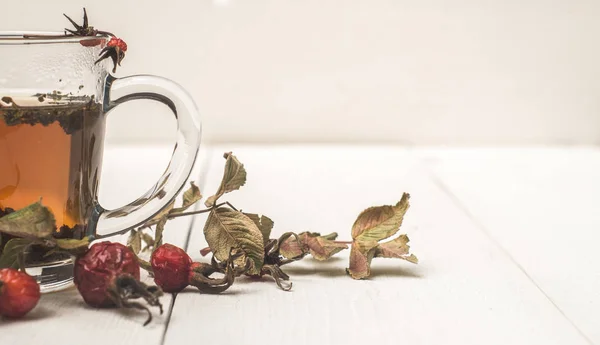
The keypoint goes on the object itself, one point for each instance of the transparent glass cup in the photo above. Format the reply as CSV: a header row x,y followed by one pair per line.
x,y
54,100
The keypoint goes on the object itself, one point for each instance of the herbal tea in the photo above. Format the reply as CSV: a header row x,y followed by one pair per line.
x,y
51,149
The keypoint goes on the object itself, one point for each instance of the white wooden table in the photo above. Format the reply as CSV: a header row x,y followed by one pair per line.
x,y
507,241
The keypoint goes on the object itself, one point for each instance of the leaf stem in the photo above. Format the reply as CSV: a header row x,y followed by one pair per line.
x,y
343,242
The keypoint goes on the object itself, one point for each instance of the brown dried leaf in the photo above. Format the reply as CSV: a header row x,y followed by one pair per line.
x,y
293,248
378,223
264,224
373,225
234,177
397,248
33,221
226,229
360,260
135,241
320,247
190,197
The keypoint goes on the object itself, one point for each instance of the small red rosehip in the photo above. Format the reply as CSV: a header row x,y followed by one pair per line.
x,y
117,43
173,270
19,293
115,49
171,267
108,274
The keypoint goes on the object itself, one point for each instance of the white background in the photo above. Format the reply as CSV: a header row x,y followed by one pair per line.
x,y
396,71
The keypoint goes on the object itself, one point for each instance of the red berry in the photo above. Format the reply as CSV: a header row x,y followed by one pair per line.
x,y
19,293
171,267
117,42
97,270
108,275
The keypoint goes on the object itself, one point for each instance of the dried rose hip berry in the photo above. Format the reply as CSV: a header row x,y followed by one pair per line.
x,y
171,267
173,270
19,293
108,274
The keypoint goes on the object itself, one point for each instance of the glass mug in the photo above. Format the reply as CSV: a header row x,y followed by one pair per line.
x,y
54,100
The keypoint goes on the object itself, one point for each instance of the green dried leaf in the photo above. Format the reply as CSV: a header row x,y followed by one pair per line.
x,y
135,241
12,250
144,264
320,247
190,197
226,229
73,246
373,225
69,243
33,221
264,224
158,234
148,240
234,177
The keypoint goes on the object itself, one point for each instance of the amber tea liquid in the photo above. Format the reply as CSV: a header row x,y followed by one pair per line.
x,y
51,149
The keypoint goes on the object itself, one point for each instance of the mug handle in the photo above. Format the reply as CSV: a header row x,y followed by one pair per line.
x,y
117,221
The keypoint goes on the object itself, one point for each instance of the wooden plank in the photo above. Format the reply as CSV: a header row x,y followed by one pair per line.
x,y
465,290
541,206
62,317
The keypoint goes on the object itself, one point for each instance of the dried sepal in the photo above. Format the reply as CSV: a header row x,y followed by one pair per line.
x,y
234,177
201,272
126,288
280,277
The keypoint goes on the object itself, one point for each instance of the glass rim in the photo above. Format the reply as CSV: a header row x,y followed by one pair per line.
x,y
44,37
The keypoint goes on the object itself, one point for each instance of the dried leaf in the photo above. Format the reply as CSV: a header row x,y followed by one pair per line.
x,y
360,260
69,244
320,247
397,248
190,197
378,223
149,240
226,229
158,234
264,224
33,221
234,177
73,246
373,225
293,248
12,250
135,241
